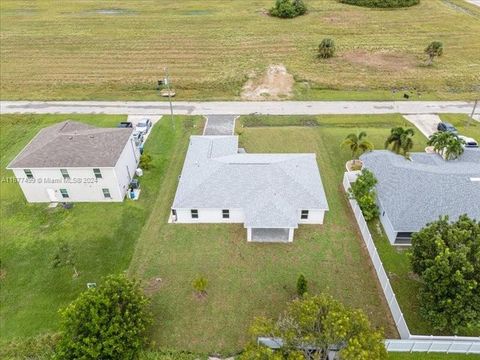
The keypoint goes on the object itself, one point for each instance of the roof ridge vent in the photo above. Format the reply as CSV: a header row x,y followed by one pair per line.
x,y
475,179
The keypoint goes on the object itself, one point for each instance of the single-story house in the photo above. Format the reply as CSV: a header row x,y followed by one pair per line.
x,y
271,194
74,162
413,193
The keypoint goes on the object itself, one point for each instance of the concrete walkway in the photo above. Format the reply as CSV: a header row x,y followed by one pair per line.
x,y
426,123
219,125
474,2
236,107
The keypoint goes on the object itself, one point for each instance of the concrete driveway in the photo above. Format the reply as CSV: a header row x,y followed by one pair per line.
x,y
474,2
135,119
426,123
219,125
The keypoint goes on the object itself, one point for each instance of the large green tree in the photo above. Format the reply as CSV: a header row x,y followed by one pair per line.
x,y
446,256
401,140
107,322
448,144
319,322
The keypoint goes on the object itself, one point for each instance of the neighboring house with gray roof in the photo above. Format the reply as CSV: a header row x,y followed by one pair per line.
x,y
271,194
413,193
75,162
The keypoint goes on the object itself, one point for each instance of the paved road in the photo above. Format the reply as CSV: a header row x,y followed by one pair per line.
x,y
236,107
219,125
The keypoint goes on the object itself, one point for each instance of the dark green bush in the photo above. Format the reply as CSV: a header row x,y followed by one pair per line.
x,y
326,49
382,3
363,190
288,8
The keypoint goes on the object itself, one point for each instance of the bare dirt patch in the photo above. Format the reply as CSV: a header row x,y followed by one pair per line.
x,y
275,84
380,60
152,285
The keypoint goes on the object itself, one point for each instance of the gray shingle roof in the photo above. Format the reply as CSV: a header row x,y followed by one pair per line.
x,y
73,144
270,188
414,193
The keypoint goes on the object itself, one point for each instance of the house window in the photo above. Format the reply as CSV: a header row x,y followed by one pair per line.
x,y
106,194
194,213
65,174
226,214
174,212
97,173
304,215
64,193
28,173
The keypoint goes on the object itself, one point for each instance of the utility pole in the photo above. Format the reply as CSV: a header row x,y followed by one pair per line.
x,y
473,112
167,83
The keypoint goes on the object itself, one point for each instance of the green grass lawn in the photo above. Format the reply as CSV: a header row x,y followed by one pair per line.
x,y
102,235
118,49
464,124
245,279
258,279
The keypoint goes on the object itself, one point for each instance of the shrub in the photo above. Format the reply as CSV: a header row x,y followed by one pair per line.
x,y
200,285
363,191
382,3
445,256
145,161
288,9
107,322
433,50
302,285
326,49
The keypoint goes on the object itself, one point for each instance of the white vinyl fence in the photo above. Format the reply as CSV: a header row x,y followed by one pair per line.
x,y
408,342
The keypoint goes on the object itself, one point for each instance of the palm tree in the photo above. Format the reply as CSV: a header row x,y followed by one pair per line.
x,y
454,148
447,144
439,140
400,139
357,144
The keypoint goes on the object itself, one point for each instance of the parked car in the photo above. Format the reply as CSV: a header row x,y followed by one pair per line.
x,y
125,124
144,126
138,137
469,142
445,126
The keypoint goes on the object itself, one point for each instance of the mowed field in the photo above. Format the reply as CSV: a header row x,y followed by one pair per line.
x,y
118,49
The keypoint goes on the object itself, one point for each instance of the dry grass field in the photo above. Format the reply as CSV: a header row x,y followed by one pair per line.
x,y
117,49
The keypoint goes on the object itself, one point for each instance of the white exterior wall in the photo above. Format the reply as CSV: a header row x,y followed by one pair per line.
x,y
387,224
210,216
126,165
314,217
83,186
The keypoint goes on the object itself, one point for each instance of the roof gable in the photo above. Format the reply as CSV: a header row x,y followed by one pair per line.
x,y
418,191
270,188
73,144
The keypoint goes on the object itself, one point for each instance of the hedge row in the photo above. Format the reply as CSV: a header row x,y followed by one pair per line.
x,y
382,3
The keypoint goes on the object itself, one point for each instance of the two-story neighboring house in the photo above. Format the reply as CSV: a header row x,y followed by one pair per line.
x,y
74,162
271,194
